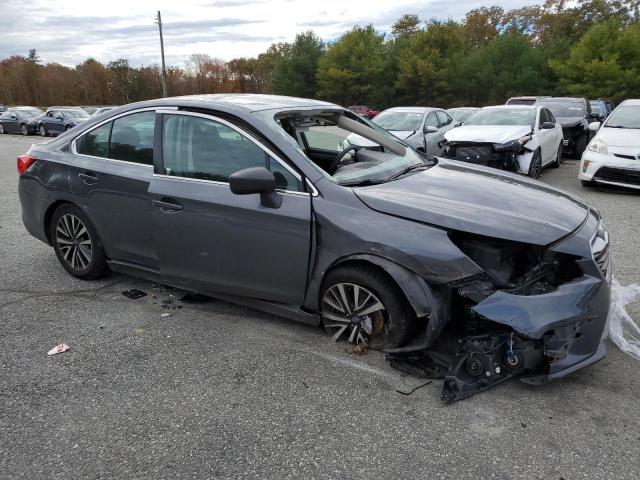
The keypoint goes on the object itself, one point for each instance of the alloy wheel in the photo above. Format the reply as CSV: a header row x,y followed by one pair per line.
x,y
1,129
352,311
74,242
43,131
536,166
24,130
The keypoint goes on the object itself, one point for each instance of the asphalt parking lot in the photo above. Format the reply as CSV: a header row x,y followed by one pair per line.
x,y
219,391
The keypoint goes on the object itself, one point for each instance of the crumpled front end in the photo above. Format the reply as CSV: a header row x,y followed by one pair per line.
x,y
512,156
537,312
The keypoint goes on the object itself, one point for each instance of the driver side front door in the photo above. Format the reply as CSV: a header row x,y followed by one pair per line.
x,y
213,241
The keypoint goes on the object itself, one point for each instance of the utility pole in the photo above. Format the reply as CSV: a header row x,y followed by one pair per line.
x,y
164,71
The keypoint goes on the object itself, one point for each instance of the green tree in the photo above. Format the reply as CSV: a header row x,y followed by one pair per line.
x,y
605,63
507,66
424,75
355,69
294,73
406,25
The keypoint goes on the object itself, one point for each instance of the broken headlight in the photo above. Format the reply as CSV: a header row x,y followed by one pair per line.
x,y
513,145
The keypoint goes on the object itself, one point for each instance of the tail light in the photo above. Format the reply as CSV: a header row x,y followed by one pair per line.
x,y
24,162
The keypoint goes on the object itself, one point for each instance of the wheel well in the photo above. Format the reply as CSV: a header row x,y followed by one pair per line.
x,y
49,213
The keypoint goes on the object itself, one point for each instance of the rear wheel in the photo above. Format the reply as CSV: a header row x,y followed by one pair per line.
x,y
2,129
42,130
77,244
363,306
535,167
23,129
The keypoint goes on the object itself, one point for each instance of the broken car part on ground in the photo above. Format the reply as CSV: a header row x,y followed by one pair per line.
x,y
457,270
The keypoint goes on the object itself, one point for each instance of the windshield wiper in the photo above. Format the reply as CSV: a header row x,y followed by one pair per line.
x,y
615,126
410,168
362,183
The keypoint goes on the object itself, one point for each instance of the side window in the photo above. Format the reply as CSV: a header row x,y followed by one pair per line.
x,y
543,117
550,116
4,115
50,114
432,120
443,118
195,147
132,138
95,142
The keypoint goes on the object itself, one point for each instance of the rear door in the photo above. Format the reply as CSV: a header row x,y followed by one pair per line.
x,y
10,122
110,177
211,240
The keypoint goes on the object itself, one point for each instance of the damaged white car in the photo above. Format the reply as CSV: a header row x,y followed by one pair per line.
x,y
517,138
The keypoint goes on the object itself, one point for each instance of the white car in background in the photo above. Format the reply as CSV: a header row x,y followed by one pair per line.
x,y
613,155
517,138
421,127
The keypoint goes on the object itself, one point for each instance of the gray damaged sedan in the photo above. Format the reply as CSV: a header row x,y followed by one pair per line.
x,y
454,270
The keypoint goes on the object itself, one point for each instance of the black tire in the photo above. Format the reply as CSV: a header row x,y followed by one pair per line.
x,y
398,321
535,167
96,266
588,183
580,145
24,130
556,162
42,130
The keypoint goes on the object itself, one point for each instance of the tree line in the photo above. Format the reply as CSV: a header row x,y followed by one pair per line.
x,y
587,48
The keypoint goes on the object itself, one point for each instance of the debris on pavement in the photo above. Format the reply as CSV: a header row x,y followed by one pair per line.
x,y
624,331
414,389
134,294
61,347
359,349
165,314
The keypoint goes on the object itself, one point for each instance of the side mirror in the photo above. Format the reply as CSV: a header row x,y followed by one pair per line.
x,y
594,126
430,129
548,126
457,124
256,180
59,117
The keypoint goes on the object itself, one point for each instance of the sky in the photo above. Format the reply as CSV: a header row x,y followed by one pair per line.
x,y
69,31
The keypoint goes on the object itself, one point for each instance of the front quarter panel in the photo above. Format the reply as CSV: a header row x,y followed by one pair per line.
x,y
346,227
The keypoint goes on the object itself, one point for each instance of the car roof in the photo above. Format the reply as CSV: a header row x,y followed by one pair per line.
x,y
631,101
561,99
463,108
513,107
411,109
248,101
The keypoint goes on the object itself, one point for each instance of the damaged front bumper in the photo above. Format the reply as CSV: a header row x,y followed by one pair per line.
x,y
537,337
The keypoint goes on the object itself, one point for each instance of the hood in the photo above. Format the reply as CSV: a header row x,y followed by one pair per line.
x,y
620,137
569,121
459,196
355,139
487,133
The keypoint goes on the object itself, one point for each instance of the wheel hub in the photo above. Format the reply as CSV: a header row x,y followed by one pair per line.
x,y
352,311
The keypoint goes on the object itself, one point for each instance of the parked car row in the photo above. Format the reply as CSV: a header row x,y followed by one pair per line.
x,y
53,121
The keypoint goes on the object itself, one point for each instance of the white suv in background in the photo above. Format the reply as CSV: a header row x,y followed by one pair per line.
x,y
613,155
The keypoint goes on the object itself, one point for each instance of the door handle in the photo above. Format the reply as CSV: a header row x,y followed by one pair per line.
x,y
88,178
167,205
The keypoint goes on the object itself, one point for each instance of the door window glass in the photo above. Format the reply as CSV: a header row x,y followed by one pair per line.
x,y
96,142
432,120
443,118
132,138
195,147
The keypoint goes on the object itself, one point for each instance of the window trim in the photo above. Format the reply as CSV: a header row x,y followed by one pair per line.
x,y
242,132
74,150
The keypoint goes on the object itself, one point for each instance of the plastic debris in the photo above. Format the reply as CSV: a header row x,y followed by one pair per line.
x,y
623,330
134,294
165,314
61,347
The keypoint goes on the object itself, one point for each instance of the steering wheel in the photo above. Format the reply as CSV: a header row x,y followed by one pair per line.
x,y
340,157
